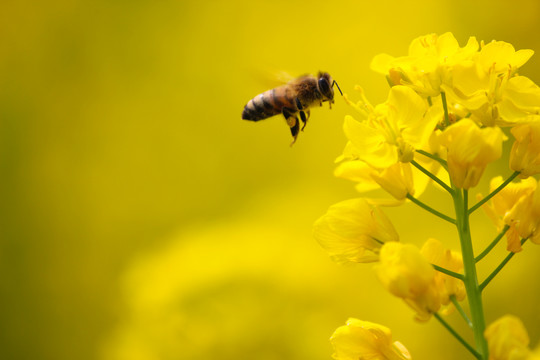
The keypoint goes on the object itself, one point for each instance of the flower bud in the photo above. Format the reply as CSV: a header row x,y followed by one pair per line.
x,y
470,150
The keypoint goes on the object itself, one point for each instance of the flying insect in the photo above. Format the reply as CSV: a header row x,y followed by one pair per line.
x,y
292,100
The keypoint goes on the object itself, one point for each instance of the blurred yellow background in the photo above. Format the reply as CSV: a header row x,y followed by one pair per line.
x,y
143,219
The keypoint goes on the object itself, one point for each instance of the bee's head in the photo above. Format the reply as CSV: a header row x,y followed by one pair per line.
x,y
326,86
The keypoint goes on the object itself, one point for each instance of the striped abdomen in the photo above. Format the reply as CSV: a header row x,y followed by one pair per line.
x,y
269,103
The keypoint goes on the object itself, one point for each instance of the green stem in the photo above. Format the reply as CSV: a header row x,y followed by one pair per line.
x,y
461,311
499,268
457,336
434,157
494,192
448,272
430,209
445,107
474,292
436,179
492,245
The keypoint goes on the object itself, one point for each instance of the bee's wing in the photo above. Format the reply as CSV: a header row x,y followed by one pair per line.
x,y
271,78
284,77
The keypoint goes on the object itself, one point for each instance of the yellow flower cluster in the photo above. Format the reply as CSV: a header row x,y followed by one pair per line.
x,y
481,78
450,101
442,122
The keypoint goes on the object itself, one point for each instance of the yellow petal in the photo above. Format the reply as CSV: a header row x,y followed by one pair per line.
x,y
382,63
370,144
499,55
407,108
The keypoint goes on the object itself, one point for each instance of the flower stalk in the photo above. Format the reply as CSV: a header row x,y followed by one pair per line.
x,y
474,292
433,177
457,336
492,245
430,209
499,268
461,311
448,272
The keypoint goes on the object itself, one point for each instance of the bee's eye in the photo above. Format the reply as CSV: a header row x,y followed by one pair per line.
x,y
324,86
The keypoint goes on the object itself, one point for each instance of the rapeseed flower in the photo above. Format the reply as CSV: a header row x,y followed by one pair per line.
x,y
428,66
366,340
508,340
407,274
435,252
489,87
390,132
354,231
500,209
526,214
525,153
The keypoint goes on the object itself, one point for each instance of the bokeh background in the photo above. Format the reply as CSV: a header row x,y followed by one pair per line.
x,y
142,219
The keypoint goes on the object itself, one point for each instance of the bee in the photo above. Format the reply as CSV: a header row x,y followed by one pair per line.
x,y
292,99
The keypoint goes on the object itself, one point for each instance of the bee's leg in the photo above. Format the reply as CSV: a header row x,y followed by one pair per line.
x,y
302,112
292,121
304,115
298,104
303,118
295,128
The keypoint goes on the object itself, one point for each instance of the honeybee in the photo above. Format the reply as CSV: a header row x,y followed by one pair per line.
x,y
292,99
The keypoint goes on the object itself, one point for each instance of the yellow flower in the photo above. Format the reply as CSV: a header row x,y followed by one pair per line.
x,y
407,274
526,214
508,339
525,154
487,85
389,132
398,180
354,231
500,209
447,286
428,65
469,150
365,340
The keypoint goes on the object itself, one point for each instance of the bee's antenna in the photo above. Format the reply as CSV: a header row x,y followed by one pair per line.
x,y
335,83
